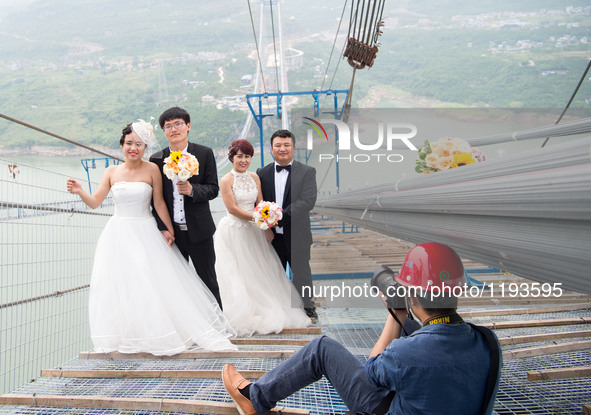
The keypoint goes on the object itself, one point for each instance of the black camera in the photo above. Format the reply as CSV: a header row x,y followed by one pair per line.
x,y
383,278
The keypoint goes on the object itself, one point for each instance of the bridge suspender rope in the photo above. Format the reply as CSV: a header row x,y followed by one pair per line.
x,y
571,98
332,51
362,44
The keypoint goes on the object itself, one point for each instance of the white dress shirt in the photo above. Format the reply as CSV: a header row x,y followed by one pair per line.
x,y
178,201
280,183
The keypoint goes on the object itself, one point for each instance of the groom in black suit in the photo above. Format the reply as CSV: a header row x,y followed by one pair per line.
x,y
188,201
292,185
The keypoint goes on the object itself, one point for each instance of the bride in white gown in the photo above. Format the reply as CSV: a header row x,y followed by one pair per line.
x,y
257,296
144,296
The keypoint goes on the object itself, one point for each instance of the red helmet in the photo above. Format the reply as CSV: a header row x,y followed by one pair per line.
x,y
431,264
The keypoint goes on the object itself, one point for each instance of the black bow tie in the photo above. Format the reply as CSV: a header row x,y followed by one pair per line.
x,y
279,167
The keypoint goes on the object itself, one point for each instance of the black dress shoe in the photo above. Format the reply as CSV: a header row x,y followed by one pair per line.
x,y
311,312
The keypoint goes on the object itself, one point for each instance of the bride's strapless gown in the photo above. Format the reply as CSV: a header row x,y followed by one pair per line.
x,y
144,296
255,291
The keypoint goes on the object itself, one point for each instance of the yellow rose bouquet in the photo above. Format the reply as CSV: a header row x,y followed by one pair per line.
x,y
446,153
180,164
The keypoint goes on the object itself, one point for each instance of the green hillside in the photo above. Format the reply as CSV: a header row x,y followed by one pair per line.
x,y
84,70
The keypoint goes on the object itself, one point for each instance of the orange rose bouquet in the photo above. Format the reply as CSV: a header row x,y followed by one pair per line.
x,y
180,164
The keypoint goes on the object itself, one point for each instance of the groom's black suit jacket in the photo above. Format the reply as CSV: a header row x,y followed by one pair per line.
x,y
299,199
197,241
200,222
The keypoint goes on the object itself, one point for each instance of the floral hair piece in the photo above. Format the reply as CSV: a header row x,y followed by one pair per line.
x,y
145,132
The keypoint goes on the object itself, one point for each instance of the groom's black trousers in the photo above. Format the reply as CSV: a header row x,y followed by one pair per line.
x,y
202,255
299,262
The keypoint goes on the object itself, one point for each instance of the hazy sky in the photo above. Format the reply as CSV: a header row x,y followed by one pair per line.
x,y
4,4
9,5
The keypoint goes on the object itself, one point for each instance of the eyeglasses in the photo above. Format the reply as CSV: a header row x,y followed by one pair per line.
x,y
177,125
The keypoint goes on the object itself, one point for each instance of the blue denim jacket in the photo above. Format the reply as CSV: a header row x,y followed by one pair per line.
x,y
439,369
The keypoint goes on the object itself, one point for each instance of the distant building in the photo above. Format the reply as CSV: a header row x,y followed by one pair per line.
x,y
211,56
207,100
555,72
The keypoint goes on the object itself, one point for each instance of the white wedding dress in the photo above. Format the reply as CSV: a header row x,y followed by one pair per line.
x,y
144,296
255,291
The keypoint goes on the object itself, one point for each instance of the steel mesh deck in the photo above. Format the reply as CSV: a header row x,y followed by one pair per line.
x,y
358,330
319,398
518,395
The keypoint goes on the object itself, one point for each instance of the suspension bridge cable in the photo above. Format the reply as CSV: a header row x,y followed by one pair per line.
x,y
335,71
24,124
368,35
333,45
256,43
352,22
378,24
365,22
350,94
274,46
334,155
571,98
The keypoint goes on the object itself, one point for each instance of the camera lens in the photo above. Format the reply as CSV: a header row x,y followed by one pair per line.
x,y
383,278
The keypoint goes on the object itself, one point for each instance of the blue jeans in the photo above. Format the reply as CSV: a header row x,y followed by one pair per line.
x,y
322,356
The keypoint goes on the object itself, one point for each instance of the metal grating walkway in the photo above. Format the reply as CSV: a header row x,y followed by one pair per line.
x,y
357,329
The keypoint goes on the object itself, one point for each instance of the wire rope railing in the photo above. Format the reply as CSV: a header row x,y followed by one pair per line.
x,y
47,242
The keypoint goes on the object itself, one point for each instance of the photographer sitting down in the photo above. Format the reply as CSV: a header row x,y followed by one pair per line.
x,y
445,367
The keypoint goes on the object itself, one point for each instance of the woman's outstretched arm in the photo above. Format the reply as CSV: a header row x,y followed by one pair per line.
x,y
93,201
